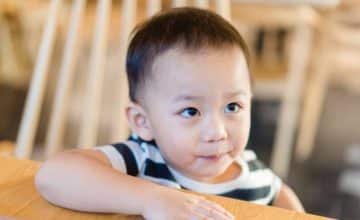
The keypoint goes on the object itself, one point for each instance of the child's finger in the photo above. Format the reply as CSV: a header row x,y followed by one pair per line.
x,y
211,212
217,209
199,216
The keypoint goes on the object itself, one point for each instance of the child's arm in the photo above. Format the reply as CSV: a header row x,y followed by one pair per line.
x,y
84,180
286,198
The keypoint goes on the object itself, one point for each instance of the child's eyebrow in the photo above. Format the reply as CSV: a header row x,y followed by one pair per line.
x,y
236,93
186,97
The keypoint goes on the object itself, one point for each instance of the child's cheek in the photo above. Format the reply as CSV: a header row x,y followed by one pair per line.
x,y
237,151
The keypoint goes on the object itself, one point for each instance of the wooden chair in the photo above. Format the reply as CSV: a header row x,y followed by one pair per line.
x,y
37,88
338,53
300,18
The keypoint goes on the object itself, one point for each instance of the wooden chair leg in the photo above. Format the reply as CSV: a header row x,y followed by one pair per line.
x,y
153,6
223,8
311,115
313,103
179,3
202,4
30,119
58,114
120,129
300,49
89,125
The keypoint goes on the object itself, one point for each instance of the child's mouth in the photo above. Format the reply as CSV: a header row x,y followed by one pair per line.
x,y
213,157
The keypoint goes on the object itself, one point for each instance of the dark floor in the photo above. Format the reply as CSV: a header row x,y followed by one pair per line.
x,y
316,181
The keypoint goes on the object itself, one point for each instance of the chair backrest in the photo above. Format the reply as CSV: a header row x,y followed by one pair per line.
x,y
92,102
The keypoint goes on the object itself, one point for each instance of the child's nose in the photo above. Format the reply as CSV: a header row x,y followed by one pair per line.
x,y
214,130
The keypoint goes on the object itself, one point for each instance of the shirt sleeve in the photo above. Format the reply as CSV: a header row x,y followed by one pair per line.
x,y
121,157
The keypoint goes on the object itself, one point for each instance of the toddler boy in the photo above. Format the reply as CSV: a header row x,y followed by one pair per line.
x,y
189,113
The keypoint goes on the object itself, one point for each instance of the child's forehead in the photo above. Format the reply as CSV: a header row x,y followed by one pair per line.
x,y
188,62
199,70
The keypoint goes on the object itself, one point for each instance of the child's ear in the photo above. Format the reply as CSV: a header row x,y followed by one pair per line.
x,y
138,121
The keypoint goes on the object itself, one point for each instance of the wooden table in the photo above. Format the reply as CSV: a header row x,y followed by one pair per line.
x,y
19,199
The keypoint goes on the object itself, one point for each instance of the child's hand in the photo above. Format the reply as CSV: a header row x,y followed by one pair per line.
x,y
171,204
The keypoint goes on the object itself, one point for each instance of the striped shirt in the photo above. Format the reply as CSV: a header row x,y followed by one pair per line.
x,y
140,158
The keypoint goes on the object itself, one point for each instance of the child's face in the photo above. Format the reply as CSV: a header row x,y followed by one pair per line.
x,y
198,107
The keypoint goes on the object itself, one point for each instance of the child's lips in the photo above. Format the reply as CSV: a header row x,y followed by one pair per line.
x,y
214,157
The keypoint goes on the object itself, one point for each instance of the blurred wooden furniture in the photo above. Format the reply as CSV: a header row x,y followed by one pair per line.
x,y
92,103
37,88
300,19
337,60
20,199
14,56
6,148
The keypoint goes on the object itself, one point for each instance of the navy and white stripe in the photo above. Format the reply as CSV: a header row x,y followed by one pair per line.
x,y
136,157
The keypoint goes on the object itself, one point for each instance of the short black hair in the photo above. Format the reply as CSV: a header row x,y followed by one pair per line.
x,y
187,27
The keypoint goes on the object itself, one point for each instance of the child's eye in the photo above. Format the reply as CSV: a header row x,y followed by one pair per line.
x,y
232,108
189,112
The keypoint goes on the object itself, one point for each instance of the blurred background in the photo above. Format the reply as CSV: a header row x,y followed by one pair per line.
x,y
62,84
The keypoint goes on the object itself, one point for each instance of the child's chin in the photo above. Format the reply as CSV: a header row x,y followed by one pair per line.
x,y
218,167
213,172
